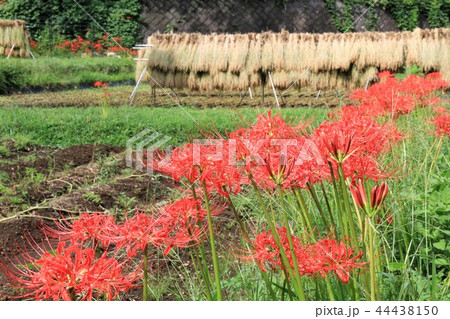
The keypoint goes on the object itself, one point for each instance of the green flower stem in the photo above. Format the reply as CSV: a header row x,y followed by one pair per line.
x,y
145,288
245,233
213,245
291,244
316,201
373,278
327,202
204,264
329,289
203,272
348,210
337,197
301,203
303,210
238,218
276,237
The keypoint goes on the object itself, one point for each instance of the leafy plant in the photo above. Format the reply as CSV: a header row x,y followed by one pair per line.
x,y
92,197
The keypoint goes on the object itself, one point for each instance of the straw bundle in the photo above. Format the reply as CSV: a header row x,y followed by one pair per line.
x,y
13,33
321,61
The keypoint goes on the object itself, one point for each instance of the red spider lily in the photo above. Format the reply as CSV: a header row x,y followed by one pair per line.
x,y
179,224
442,125
136,234
318,259
356,143
271,150
181,164
98,84
377,197
79,45
392,96
69,273
90,226
333,257
266,252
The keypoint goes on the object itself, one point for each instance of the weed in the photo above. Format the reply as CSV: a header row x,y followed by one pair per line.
x,y
92,197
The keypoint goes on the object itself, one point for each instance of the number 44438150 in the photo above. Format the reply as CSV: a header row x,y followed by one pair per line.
x,y
408,310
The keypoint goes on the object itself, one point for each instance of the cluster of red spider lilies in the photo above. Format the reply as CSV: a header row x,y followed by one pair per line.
x,y
104,44
337,167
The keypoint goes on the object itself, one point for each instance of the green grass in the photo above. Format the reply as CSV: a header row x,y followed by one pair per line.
x,y
51,73
64,127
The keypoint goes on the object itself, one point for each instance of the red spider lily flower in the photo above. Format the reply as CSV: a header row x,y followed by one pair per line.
x,y
70,273
318,259
392,96
377,197
334,257
266,252
270,149
98,84
339,146
90,226
356,143
179,224
181,164
442,125
136,234
359,194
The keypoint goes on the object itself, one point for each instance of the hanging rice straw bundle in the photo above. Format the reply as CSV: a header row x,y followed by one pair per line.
x,y
309,52
254,53
200,61
292,52
267,55
323,52
243,80
279,50
414,48
237,58
431,51
220,52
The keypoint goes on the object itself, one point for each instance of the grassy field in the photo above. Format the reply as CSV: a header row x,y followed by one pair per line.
x,y
64,127
57,73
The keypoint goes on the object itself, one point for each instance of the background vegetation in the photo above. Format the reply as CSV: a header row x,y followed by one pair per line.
x,y
49,21
54,73
64,127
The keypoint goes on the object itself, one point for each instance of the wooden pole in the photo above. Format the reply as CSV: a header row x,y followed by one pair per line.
x,y
133,94
274,91
10,51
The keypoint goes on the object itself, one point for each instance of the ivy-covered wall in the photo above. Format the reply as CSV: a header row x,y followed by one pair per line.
x,y
207,16
408,14
50,21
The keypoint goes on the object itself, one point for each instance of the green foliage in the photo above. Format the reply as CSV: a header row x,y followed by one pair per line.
x,y
408,12
64,127
51,19
51,73
4,150
11,78
92,197
413,70
405,12
21,142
